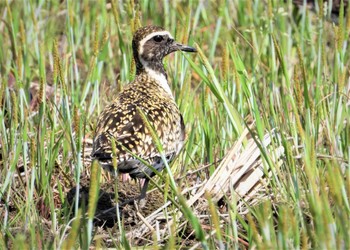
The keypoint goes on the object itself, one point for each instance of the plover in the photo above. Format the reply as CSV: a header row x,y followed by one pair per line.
x,y
149,93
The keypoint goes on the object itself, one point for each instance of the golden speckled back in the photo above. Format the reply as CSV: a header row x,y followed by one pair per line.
x,y
122,122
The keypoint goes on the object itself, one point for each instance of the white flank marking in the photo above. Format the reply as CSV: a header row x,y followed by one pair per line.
x,y
179,147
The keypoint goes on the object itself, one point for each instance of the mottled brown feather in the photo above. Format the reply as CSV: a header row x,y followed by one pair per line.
x,y
121,121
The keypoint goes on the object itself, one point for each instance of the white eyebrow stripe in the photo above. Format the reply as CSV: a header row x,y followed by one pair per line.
x,y
149,36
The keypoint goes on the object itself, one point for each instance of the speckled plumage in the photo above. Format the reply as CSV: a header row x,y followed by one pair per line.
x,y
122,121
149,92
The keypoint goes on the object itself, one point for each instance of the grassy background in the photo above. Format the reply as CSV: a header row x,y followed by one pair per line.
x,y
265,63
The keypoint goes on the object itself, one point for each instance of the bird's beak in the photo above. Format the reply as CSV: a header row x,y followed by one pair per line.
x,y
178,46
185,48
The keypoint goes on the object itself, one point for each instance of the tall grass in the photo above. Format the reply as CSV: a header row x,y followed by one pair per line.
x,y
265,63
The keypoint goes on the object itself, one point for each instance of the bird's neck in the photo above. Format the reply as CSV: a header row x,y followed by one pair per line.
x,y
156,66
156,71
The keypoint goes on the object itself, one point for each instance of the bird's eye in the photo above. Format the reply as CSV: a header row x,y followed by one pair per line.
x,y
158,39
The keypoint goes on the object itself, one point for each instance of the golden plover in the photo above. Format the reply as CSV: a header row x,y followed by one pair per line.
x,y
122,122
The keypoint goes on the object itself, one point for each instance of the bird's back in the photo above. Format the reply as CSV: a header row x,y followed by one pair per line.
x,y
122,122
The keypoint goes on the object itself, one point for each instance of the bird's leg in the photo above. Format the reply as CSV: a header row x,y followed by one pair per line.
x,y
144,189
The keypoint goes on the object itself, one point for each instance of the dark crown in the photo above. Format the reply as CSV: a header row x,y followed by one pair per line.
x,y
150,45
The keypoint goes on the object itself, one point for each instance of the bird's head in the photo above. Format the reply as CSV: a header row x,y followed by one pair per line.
x,y
152,43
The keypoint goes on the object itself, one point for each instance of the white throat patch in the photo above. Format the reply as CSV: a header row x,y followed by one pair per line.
x,y
160,78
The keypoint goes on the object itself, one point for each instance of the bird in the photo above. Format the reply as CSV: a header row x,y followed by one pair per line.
x,y
148,94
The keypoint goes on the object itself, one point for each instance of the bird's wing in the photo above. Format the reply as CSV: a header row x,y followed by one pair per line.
x,y
126,127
